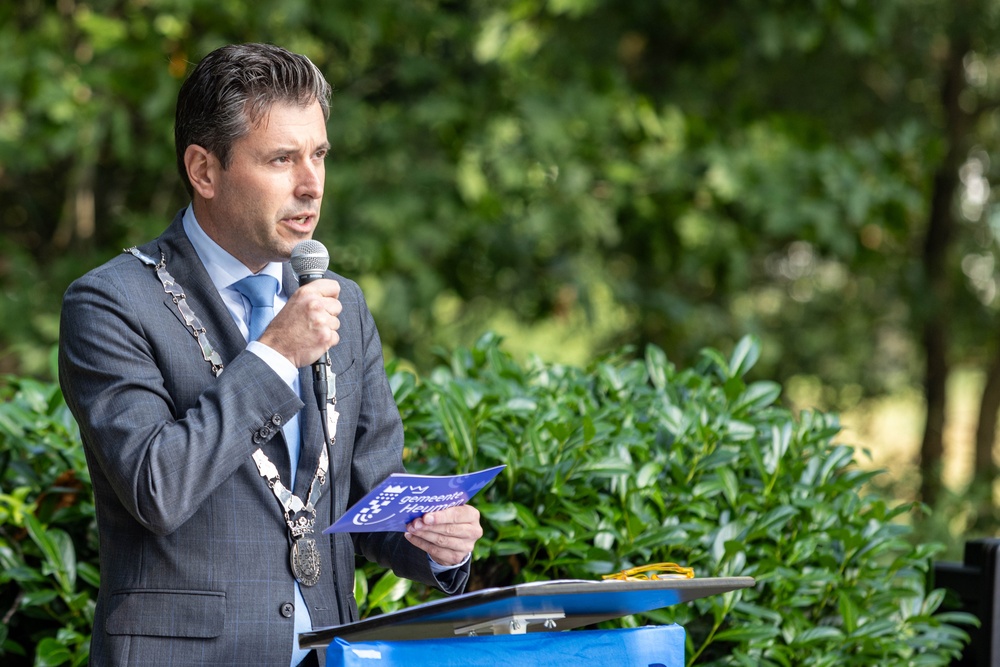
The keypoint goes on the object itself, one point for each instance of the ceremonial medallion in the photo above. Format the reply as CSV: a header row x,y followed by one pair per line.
x,y
304,560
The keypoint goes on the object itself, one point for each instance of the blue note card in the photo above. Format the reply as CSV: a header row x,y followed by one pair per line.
x,y
401,497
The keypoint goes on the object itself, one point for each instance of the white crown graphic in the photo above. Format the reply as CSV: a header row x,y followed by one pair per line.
x,y
394,489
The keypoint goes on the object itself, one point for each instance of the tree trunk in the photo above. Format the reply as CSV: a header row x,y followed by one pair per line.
x,y
931,304
984,518
985,468
935,393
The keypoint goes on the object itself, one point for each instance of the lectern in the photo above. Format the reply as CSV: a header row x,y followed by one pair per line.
x,y
492,626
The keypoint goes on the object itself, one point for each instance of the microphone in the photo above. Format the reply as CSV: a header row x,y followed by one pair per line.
x,y
310,260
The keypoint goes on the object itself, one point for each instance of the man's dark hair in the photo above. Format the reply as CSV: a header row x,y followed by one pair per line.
x,y
233,88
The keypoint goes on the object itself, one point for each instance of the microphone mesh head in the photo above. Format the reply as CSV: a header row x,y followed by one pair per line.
x,y
309,258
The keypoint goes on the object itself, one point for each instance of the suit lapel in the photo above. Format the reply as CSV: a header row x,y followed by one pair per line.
x,y
183,263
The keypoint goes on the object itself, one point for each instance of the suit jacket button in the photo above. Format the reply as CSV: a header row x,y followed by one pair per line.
x,y
265,432
287,609
276,420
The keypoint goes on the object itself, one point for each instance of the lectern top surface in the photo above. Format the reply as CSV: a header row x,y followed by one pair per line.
x,y
564,604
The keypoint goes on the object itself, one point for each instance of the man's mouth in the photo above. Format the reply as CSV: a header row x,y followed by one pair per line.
x,y
300,221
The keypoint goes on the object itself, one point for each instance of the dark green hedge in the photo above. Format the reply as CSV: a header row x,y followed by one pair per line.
x,y
628,462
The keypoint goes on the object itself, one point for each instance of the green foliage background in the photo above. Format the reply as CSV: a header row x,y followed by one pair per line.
x,y
625,462
573,174
576,175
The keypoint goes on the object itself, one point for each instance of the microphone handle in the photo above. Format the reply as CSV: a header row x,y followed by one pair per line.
x,y
320,385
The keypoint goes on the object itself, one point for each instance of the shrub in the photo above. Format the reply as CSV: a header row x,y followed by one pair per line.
x,y
48,542
633,461
627,462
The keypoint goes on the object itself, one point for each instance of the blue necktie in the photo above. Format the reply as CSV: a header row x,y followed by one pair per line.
x,y
260,290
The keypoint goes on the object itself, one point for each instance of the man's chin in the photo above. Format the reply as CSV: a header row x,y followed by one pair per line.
x,y
289,241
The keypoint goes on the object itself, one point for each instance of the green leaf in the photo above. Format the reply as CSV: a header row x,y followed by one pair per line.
x,y
848,611
758,396
648,475
389,588
818,634
59,552
740,431
781,438
89,573
718,361
730,487
510,548
838,457
657,366
360,587
747,633
876,628
455,418
774,519
745,356
39,598
51,653
607,466
498,512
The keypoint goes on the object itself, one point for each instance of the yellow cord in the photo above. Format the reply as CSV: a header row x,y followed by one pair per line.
x,y
656,571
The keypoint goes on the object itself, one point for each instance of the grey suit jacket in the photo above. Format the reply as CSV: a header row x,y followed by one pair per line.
x,y
193,544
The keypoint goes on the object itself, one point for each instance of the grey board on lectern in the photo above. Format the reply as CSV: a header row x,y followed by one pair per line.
x,y
539,606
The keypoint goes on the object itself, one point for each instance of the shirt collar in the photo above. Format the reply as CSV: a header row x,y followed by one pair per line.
x,y
222,267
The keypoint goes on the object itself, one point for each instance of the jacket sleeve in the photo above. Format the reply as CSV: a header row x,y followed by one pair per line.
x,y
162,429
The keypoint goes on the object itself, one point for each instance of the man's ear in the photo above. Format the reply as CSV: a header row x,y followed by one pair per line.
x,y
202,169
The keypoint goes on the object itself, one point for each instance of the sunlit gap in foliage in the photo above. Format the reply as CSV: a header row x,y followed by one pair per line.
x,y
979,267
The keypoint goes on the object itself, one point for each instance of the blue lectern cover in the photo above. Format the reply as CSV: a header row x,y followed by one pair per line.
x,y
653,646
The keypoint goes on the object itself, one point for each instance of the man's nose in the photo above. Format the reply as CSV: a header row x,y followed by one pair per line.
x,y
310,177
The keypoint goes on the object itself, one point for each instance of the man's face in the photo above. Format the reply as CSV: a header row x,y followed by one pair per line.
x,y
268,200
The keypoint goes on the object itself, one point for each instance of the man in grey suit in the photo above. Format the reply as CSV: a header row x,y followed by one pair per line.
x,y
212,476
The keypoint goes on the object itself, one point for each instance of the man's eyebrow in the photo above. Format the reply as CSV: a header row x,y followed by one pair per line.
x,y
289,148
